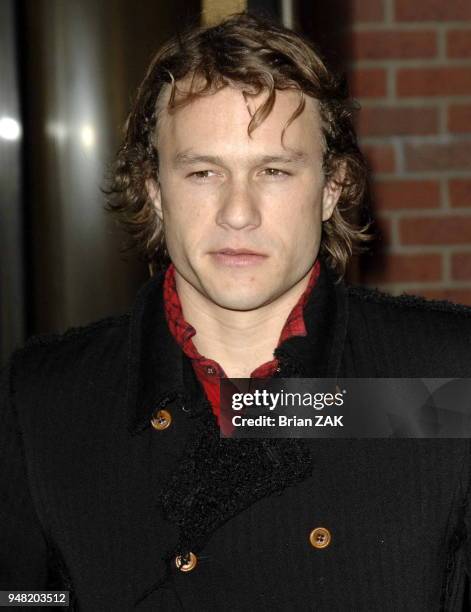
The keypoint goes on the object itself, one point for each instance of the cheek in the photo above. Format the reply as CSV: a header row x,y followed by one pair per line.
x,y
303,210
177,203
303,228
295,230
185,225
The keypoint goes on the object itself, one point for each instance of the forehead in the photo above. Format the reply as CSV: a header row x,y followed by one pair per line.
x,y
219,122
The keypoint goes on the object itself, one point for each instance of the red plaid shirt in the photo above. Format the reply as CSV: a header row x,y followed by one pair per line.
x,y
208,371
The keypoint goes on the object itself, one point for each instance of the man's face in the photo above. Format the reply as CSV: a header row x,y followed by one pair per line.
x,y
219,189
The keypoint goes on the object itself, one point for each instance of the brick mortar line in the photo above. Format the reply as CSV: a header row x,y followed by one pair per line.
x,y
398,150
414,101
388,6
400,154
446,138
443,117
423,176
408,26
410,213
427,249
441,45
390,84
416,63
404,285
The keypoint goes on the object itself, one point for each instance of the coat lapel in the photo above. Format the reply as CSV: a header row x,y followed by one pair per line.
x,y
319,354
154,358
217,478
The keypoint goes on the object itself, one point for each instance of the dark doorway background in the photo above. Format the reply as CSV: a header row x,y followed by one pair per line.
x,y
72,69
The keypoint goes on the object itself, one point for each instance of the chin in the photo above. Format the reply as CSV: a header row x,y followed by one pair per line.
x,y
236,302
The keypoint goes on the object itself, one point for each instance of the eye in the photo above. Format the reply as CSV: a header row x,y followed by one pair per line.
x,y
200,175
275,172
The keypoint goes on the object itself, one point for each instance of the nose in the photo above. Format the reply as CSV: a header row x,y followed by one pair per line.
x,y
238,207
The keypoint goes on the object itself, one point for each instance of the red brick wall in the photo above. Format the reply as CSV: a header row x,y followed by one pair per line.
x,y
411,72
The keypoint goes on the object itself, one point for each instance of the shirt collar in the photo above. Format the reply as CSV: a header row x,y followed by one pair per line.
x,y
183,331
156,362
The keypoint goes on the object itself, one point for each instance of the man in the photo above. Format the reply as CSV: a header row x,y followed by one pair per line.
x,y
117,484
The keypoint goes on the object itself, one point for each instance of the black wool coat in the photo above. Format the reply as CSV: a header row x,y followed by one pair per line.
x,y
97,501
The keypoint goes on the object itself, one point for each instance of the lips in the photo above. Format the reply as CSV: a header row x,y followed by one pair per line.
x,y
239,252
238,258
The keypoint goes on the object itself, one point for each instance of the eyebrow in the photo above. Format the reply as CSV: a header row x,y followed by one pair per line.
x,y
186,158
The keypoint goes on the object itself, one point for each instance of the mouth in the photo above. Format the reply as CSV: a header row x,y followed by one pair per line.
x,y
239,252
238,257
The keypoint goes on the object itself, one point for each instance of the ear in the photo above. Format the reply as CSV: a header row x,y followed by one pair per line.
x,y
153,190
332,192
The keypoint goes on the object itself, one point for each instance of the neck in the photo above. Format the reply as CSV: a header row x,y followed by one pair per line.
x,y
239,341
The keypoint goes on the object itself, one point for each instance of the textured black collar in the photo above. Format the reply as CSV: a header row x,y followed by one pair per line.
x,y
157,366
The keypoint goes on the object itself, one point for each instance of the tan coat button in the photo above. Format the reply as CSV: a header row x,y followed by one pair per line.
x,y
161,420
320,537
185,563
